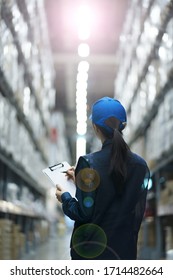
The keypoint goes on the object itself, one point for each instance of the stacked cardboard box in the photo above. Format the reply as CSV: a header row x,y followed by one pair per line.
x,y
43,230
169,238
15,242
22,243
5,239
151,233
12,240
166,195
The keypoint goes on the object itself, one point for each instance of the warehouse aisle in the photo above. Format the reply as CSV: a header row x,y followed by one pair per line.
x,y
55,248
38,117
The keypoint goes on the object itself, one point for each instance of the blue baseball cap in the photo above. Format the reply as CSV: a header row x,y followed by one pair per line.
x,y
105,108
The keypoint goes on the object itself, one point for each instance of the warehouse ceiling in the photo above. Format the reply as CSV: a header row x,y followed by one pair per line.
x,y
107,21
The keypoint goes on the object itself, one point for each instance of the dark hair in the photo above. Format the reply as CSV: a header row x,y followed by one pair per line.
x,y
119,152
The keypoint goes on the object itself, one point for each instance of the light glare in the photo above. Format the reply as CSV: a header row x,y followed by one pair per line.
x,y
83,66
82,77
80,147
83,50
81,86
81,128
84,19
83,32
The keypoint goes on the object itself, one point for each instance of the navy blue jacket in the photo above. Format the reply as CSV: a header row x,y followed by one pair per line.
x,y
108,227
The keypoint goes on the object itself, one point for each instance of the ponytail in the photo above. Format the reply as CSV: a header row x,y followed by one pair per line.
x,y
119,154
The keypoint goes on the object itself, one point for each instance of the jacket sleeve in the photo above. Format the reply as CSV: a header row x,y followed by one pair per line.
x,y
79,209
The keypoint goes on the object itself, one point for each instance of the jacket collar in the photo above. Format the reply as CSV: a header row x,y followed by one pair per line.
x,y
106,143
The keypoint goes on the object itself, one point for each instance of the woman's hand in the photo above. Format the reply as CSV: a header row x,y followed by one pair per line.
x,y
71,174
59,192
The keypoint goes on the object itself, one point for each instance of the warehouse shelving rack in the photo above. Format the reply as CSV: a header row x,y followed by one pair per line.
x,y
19,220
154,244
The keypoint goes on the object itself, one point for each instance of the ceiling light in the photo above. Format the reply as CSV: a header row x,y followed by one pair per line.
x,y
82,77
80,147
81,118
83,32
83,50
83,66
81,94
83,15
83,22
81,98
81,128
81,86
